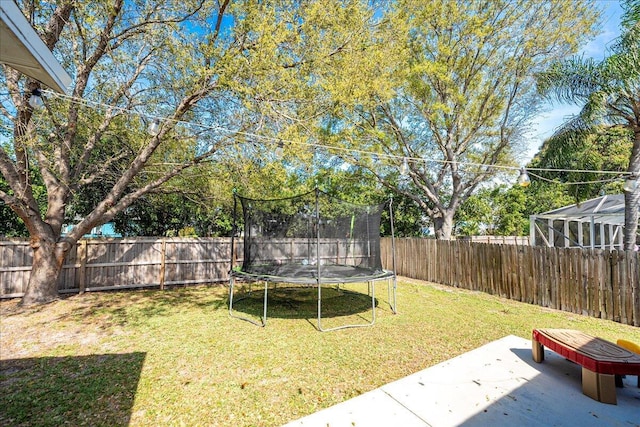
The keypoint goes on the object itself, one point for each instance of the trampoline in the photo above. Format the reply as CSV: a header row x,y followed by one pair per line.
x,y
308,240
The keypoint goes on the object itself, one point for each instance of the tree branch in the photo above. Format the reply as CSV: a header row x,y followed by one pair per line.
x,y
108,117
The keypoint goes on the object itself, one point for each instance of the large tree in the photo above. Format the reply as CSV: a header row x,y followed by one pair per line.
x,y
609,93
231,67
451,95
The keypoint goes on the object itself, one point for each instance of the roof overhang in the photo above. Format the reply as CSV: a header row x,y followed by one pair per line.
x,y
22,49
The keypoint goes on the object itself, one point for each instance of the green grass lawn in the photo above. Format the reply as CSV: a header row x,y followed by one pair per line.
x,y
175,357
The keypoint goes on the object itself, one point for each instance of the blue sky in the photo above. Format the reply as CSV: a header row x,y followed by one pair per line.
x,y
544,124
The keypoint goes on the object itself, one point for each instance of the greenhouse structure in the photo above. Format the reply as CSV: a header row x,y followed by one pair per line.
x,y
596,223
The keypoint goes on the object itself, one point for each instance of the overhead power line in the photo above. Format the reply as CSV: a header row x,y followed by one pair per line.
x,y
279,141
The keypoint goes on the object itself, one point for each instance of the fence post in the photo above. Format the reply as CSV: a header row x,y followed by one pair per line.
x,y
163,254
83,266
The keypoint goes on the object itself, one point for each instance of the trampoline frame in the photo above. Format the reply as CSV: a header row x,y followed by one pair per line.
x,y
318,280
371,289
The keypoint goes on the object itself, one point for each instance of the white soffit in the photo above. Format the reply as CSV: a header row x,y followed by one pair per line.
x,y
22,49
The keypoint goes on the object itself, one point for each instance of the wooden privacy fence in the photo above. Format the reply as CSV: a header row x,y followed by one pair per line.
x,y
108,264
599,283
593,282
505,240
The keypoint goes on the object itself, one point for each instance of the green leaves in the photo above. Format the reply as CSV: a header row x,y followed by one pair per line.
x,y
572,80
602,148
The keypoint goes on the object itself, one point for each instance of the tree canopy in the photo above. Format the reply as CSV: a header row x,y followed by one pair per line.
x,y
452,95
232,69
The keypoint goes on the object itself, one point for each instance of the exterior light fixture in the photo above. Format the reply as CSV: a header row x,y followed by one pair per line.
x,y
154,127
36,99
523,179
631,183
404,168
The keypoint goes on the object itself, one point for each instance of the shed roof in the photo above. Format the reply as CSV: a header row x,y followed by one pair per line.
x,y
607,209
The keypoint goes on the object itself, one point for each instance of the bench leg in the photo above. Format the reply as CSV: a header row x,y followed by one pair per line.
x,y
619,383
537,351
600,387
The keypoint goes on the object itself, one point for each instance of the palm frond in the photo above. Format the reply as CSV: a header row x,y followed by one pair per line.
x,y
574,130
596,107
570,81
631,15
625,59
624,62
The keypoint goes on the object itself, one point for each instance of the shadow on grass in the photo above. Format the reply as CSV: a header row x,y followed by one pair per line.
x,y
120,308
294,302
140,306
95,390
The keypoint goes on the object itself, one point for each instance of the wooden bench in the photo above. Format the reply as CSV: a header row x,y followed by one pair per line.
x,y
601,360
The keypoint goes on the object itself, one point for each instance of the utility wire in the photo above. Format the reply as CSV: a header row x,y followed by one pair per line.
x,y
279,141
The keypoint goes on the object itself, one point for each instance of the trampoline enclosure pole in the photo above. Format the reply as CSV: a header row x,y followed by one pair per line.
x,y
234,229
393,254
318,281
233,234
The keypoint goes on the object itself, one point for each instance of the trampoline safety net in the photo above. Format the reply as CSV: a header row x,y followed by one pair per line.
x,y
310,238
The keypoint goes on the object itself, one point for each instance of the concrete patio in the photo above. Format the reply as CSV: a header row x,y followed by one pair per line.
x,y
497,384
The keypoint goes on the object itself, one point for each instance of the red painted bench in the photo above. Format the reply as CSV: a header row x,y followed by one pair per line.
x,y
601,360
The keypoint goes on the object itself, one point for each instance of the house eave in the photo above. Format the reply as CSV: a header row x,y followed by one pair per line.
x,y
22,49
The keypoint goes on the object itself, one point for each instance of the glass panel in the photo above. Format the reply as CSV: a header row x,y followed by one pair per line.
x,y
573,234
558,231
586,234
541,233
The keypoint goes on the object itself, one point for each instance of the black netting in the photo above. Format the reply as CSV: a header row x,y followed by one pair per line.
x,y
312,235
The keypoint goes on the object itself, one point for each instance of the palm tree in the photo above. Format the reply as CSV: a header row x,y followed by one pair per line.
x,y
609,91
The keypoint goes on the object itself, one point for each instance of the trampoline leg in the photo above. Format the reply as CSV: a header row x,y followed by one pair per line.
x,y
373,302
392,302
320,308
263,320
230,294
264,311
372,287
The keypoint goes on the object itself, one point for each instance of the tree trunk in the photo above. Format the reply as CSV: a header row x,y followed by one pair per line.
x,y
632,197
631,200
48,258
443,226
